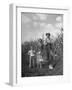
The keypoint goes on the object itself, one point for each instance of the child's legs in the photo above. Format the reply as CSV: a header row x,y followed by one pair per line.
x,y
40,65
33,61
30,61
37,63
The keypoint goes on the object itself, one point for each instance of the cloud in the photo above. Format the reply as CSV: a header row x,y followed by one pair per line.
x,y
41,16
35,24
35,17
25,19
59,19
42,24
49,27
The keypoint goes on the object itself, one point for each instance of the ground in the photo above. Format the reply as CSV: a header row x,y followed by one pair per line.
x,y
44,71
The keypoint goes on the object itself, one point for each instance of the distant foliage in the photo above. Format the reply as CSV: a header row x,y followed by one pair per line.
x,y
57,47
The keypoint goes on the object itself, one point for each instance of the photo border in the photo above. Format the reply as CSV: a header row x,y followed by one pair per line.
x,y
15,69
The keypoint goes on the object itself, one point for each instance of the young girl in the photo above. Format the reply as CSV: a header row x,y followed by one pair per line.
x,y
39,59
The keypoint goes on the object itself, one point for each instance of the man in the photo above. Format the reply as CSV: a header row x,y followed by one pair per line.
x,y
49,51
48,45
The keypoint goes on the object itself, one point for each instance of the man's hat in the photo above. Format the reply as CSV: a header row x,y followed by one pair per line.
x,y
48,34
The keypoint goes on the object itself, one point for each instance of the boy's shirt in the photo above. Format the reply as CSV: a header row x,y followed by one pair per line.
x,y
31,52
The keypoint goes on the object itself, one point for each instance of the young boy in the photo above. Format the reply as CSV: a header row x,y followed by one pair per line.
x,y
31,54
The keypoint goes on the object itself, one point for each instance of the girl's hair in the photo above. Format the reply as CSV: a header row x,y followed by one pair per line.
x,y
40,40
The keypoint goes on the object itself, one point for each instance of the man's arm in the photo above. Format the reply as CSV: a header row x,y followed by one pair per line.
x,y
28,52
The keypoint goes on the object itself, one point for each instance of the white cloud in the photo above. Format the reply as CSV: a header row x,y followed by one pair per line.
x,y
25,19
35,17
35,24
59,19
42,16
42,24
49,27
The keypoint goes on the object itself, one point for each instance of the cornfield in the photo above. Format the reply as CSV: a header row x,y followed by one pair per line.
x,y
57,48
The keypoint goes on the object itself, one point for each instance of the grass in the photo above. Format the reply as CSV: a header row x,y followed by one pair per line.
x,y
44,71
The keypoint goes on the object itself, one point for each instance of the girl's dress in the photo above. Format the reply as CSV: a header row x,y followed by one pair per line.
x,y
39,57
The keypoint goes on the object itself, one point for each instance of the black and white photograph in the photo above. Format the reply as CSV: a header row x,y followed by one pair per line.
x,y
41,44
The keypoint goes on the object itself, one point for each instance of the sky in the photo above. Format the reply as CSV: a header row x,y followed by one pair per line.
x,y
36,25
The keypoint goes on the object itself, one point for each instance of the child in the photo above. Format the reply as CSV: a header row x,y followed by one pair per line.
x,y
39,59
31,54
